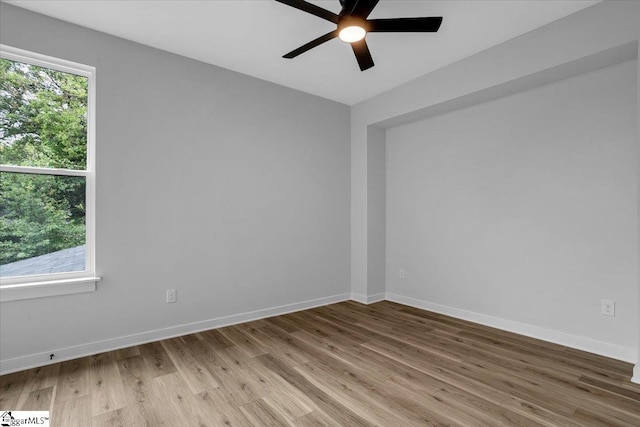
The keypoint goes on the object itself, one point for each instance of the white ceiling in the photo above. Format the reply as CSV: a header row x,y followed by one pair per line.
x,y
250,37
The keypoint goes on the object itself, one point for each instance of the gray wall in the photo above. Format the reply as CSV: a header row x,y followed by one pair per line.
x,y
636,370
523,208
588,39
376,218
232,190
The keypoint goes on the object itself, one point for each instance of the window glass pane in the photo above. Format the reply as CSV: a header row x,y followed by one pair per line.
x,y
43,117
42,224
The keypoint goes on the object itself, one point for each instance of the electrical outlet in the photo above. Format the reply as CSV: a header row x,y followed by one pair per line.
x,y
608,307
401,273
171,295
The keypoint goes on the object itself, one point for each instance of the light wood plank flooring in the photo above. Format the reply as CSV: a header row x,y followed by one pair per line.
x,y
345,364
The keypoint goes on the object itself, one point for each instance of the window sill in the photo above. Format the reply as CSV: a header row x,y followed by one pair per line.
x,y
47,288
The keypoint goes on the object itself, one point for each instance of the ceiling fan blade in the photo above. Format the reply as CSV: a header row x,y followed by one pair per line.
x,y
360,48
312,9
363,8
313,43
405,25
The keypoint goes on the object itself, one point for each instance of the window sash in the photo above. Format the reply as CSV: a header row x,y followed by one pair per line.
x,y
43,171
19,55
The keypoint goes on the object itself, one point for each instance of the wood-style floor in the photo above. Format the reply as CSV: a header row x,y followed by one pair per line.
x,y
345,364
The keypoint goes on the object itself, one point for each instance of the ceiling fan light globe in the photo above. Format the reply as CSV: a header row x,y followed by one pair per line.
x,y
352,33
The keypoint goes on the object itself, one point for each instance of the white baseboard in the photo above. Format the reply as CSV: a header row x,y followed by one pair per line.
x,y
61,354
569,340
636,374
598,347
368,299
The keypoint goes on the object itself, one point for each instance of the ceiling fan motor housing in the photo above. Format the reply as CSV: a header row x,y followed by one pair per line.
x,y
348,4
352,21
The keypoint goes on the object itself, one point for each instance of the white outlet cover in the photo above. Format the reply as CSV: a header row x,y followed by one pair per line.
x,y
171,295
608,307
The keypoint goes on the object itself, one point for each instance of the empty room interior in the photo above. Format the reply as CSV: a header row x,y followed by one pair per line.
x,y
338,213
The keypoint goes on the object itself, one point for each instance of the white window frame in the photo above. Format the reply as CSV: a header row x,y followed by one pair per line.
x,y
42,285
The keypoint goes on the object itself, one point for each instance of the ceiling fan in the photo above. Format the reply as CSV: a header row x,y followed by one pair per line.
x,y
353,25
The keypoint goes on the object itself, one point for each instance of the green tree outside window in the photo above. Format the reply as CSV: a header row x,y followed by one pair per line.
x,y
43,123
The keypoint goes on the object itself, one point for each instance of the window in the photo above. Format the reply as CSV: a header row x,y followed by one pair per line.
x,y
47,182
